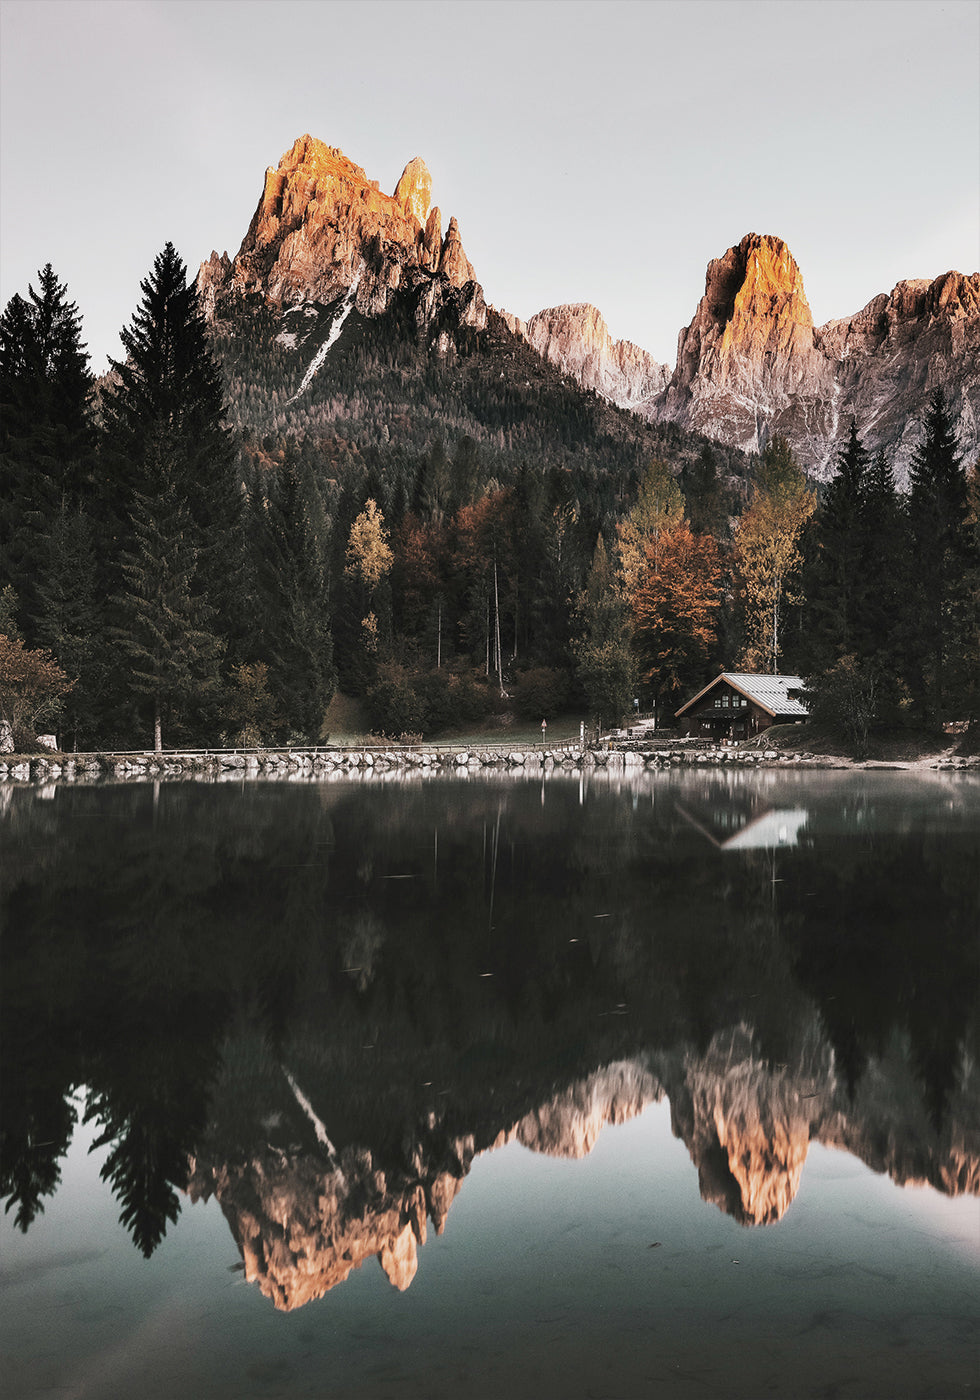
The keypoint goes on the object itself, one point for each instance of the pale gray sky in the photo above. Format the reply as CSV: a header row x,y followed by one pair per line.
x,y
591,151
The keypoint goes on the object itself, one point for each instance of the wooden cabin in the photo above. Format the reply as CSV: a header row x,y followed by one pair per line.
x,y
739,706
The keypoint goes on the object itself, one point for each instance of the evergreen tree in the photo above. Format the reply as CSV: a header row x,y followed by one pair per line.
x,y
605,662
835,581
887,591
291,532
165,408
71,621
164,628
942,554
46,436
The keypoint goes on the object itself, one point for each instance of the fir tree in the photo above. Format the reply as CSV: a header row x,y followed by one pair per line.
x,y
165,408
71,621
46,436
164,626
291,531
835,582
941,558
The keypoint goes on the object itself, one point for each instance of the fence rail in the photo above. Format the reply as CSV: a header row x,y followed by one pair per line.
x,y
324,750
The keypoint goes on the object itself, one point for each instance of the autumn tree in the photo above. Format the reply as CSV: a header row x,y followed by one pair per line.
x,y
32,687
367,596
767,553
675,611
659,508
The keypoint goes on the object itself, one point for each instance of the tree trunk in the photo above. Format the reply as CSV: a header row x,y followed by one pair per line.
x,y
157,733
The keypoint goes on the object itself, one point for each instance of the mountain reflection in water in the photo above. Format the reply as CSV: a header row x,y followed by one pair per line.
x,y
318,1004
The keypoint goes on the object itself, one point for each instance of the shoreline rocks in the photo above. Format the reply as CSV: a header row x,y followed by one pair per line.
x,y
299,763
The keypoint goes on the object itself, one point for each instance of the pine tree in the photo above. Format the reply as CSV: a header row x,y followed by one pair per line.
x,y
291,534
605,662
942,554
173,505
71,620
835,582
46,435
165,406
164,626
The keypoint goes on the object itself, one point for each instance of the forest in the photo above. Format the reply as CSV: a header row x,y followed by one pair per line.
x,y
192,554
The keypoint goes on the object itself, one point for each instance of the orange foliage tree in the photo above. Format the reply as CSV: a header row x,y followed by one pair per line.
x,y
675,611
32,686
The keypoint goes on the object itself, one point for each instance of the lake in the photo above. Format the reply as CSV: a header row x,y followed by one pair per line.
x,y
617,1084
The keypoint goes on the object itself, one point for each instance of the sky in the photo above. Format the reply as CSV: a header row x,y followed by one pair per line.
x,y
591,151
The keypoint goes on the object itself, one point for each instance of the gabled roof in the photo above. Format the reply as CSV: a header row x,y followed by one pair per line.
x,y
770,693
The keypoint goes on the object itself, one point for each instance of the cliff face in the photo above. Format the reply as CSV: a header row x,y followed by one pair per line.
x,y
752,363
577,341
305,1217
322,227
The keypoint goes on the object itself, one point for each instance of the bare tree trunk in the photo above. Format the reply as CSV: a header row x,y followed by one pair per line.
x,y
157,734
439,640
496,603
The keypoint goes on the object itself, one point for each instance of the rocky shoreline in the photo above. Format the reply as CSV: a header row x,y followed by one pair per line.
x,y
300,763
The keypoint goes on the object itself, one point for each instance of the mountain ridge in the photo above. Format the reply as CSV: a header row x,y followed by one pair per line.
x,y
750,364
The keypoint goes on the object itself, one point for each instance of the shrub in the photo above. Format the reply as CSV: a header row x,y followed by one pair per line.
x,y
542,692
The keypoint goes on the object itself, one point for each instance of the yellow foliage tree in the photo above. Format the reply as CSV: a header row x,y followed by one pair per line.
x,y
659,508
369,556
767,554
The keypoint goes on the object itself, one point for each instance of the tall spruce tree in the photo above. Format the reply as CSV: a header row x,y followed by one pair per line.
x,y
942,554
172,500
291,544
46,435
834,575
167,398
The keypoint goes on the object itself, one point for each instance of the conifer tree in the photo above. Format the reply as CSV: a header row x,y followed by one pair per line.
x,y
605,662
835,573
46,435
172,502
291,532
71,621
165,407
942,554
164,628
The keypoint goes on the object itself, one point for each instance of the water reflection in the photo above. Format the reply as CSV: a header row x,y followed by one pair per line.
x,y
319,1003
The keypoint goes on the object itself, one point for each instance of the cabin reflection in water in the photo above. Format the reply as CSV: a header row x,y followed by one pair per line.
x,y
734,830
320,1005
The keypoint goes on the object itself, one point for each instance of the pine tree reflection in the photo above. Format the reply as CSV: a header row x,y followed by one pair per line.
x,y
183,958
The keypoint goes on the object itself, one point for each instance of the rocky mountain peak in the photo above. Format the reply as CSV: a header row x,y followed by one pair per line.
x,y
769,311
576,339
414,190
322,229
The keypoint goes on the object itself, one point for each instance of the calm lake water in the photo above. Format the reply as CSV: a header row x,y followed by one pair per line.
x,y
612,1086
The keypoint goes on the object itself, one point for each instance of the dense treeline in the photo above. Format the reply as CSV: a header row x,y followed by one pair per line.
x,y
440,525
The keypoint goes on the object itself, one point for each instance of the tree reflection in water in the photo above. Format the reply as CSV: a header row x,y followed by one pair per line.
x,y
318,1003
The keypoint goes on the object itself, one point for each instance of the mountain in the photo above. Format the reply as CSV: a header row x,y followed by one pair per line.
x,y
577,341
348,316
752,362
349,311
323,230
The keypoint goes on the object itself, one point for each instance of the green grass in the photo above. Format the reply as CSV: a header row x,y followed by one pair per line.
x,y
346,722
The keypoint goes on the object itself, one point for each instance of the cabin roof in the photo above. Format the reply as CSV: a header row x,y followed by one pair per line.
x,y
770,693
